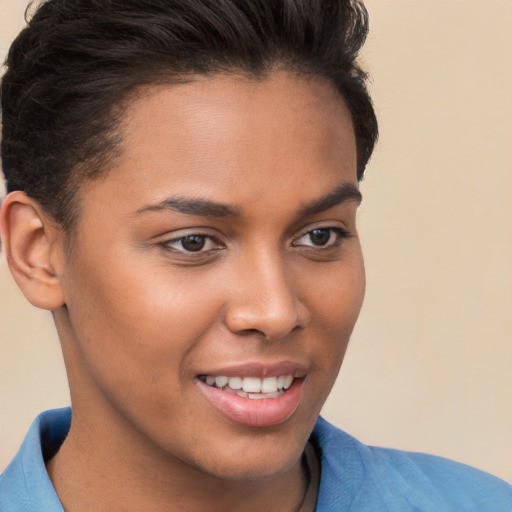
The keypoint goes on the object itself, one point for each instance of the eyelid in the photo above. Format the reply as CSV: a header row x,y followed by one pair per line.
x,y
340,232
333,224
172,238
177,237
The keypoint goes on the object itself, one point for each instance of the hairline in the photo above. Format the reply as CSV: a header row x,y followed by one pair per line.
x,y
133,94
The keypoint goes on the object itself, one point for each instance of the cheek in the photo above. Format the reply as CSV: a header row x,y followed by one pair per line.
x,y
336,290
135,325
335,299
337,303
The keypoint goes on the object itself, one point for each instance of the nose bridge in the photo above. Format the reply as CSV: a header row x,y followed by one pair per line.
x,y
264,297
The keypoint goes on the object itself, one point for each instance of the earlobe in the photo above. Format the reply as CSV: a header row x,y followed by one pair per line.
x,y
29,240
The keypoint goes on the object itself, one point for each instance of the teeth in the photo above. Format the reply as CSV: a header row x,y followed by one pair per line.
x,y
235,382
288,379
269,385
259,396
221,381
252,387
256,396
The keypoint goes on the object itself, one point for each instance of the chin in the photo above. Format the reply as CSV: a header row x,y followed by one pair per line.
x,y
257,469
253,457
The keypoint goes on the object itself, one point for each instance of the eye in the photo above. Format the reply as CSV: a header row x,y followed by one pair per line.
x,y
193,243
321,238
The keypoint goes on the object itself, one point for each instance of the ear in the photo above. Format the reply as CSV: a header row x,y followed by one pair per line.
x,y
33,247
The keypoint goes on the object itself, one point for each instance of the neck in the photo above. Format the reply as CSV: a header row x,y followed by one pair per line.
x,y
96,471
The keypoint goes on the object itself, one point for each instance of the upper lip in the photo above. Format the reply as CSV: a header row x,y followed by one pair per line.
x,y
259,369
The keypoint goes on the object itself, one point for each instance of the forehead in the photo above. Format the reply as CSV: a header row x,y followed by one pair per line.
x,y
234,138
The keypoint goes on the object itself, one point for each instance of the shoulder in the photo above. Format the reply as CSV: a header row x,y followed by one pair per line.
x,y
25,485
386,479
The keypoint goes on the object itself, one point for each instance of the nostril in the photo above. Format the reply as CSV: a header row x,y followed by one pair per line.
x,y
252,332
268,328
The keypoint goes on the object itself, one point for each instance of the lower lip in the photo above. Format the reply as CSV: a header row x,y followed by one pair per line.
x,y
255,413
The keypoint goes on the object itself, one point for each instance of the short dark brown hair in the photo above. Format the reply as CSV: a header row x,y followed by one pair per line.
x,y
70,70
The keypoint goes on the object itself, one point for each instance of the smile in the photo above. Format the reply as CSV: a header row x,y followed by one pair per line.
x,y
258,401
251,387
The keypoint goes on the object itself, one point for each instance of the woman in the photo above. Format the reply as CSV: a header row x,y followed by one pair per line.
x,y
183,182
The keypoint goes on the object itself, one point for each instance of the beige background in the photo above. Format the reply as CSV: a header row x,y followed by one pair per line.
x,y
430,363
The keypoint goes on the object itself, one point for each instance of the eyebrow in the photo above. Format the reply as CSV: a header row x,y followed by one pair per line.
x,y
206,208
342,193
190,206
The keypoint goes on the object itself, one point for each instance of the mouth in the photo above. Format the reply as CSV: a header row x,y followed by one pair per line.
x,y
254,388
254,396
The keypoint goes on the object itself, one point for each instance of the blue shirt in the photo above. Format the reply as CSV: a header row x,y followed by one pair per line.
x,y
354,477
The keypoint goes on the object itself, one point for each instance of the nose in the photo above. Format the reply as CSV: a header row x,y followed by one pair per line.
x,y
264,300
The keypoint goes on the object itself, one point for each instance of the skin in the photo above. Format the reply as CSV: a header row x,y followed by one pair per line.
x,y
140,318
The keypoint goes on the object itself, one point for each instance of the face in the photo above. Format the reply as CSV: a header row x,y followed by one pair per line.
x,y
217,274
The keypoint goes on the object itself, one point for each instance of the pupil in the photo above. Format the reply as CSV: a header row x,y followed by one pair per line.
x,y
193,242
320,236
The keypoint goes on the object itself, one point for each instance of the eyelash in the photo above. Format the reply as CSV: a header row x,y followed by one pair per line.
x,y
168,244
339,235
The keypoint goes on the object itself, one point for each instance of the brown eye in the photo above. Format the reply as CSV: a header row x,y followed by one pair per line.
x,y
193,243
320,236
